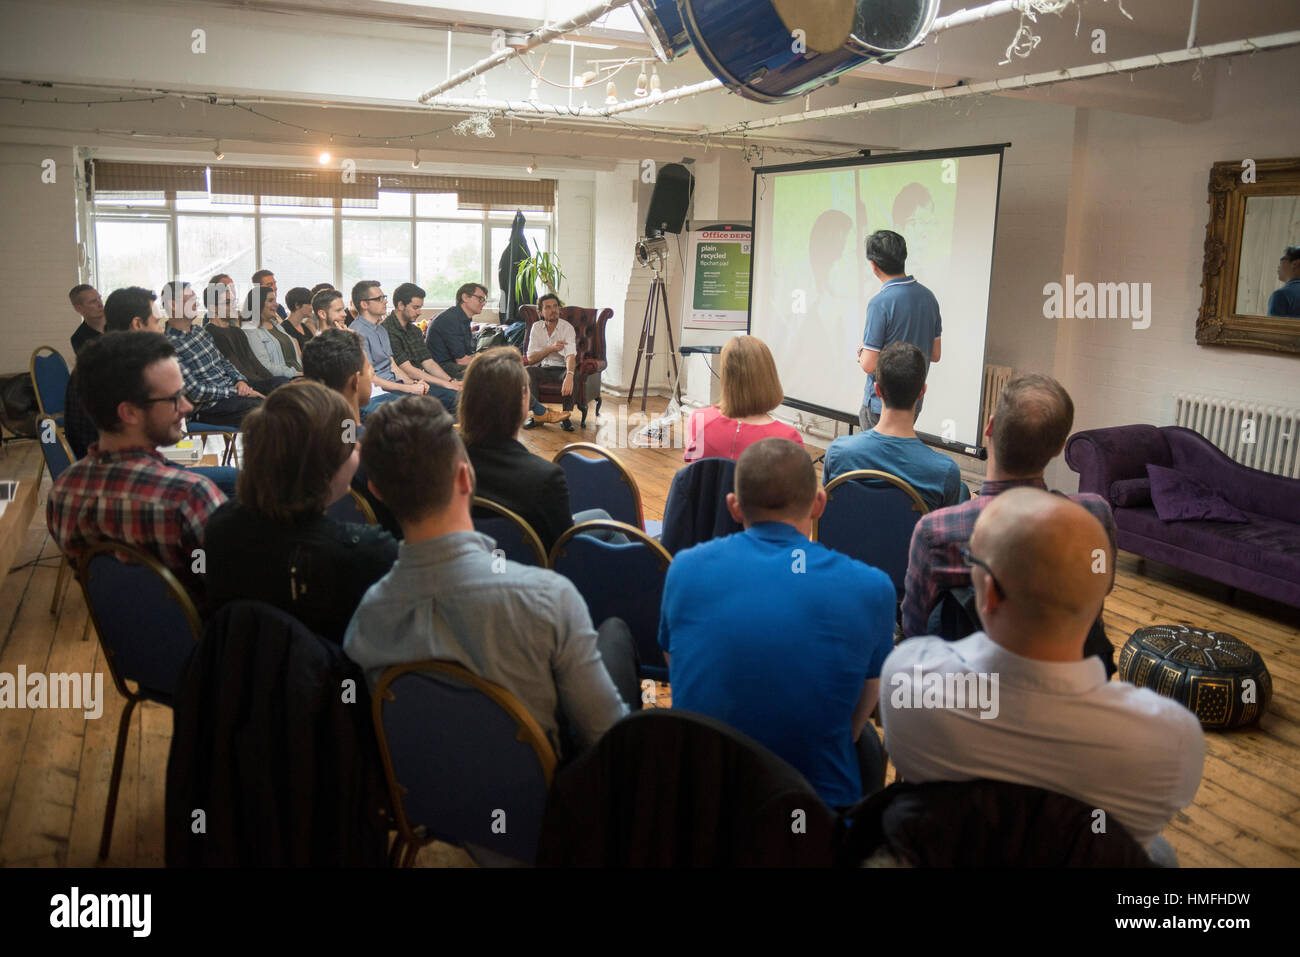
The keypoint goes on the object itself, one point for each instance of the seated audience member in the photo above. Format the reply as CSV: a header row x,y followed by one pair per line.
x,y
526,629
335,357
492,408
86,301
449,337
275,350
223,328
328,308
220,393
299,323
129,309
551,356
124,489
276,544
266,278
778,636
892,446
1039,712
179,302
751,389
320,287
1027,430
410,354
369,300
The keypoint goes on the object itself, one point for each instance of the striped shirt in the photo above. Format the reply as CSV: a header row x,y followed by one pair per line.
x,y
934,563
134,496
209,376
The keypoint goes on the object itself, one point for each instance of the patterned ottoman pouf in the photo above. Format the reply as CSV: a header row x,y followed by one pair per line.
x,y
1221,679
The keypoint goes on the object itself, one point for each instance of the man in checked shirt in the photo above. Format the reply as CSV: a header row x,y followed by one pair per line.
x,y
124,489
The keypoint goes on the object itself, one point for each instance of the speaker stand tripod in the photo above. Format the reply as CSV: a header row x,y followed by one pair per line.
x,y
646,345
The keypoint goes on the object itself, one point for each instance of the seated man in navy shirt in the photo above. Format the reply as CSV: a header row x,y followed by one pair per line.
x,y
780,637
892,446
450,338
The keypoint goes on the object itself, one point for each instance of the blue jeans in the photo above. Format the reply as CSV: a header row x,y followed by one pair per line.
x,y
223,478
379,400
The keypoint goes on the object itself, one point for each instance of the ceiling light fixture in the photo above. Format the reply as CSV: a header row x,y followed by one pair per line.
x,y
415,163
216,151
482,87
324,157
611,93
531,167
654,82
532,91
583,80
642,84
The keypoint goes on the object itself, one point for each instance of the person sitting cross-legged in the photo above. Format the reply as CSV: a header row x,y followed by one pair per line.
x,y
1021,701
892,446
276,543
551,356
778,636
450,597
124,489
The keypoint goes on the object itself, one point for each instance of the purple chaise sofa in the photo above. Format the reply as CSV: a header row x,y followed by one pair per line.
x,y
1261,555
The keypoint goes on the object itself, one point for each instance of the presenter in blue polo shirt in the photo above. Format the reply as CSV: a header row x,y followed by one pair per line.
x,y
903,311
778,636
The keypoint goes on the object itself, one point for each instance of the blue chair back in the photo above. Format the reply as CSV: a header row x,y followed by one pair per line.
x,y
465,760
870,516
146,622
601,481
352,508
513,535
54,446
624,581
696,510
50,378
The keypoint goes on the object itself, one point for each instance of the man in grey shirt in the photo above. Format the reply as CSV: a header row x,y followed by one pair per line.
x,y
449,596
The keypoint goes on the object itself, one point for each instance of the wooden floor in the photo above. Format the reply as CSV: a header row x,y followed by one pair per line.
x,y
54,765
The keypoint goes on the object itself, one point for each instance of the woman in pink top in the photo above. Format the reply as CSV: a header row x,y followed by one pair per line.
x,y
751,389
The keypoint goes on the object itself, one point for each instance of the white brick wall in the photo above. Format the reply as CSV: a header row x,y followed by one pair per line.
x,y
38,253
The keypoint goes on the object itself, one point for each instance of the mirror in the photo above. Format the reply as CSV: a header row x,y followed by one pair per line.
x,y
1250,288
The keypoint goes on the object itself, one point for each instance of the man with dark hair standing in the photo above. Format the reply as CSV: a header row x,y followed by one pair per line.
x,y
369,301
124,490
1286,300
410,353
526,629
892,446
86,301
902,310
1027,430
551,356
778,636
264,277
220,392
230,340
450,337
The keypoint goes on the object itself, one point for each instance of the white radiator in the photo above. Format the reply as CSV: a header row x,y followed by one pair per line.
x,y
995,377
1264,437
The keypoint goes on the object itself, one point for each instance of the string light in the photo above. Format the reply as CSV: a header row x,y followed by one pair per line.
x,y
415,163
531,167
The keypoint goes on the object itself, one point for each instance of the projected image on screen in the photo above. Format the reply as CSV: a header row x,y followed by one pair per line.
x,y
812,281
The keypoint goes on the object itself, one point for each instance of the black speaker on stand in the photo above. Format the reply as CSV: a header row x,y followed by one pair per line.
x,y
669,203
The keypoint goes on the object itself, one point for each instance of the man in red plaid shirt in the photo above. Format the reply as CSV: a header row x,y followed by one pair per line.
x,y
1027,430
124,489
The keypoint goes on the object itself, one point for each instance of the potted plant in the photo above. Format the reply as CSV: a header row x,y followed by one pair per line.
x,y
539,267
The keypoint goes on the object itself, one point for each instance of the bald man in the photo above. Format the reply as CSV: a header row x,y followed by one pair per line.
x,y
1019,701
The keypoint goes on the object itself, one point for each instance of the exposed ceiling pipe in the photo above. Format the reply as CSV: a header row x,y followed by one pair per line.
x,y
1274,41
526,107
531,41
962,18
1191,29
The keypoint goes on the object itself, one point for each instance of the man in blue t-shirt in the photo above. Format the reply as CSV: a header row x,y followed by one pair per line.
x,y
780,637
892,446
903,310
1286,300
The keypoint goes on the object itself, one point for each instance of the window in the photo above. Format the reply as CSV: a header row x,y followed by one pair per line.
x,y
447,256
378,250
209,245
299,251
131,253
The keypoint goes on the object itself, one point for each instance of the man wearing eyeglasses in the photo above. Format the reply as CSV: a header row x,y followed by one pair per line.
x,y
371,305
410,353
124,489
450,339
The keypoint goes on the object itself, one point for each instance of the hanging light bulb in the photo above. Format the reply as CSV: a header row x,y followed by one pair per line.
x,y
654,82
611,93
415,163
216,151
642,84
324,157
532,166
482,87
532,91
586,78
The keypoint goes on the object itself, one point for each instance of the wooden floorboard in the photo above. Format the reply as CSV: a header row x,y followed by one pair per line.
x,y
55,765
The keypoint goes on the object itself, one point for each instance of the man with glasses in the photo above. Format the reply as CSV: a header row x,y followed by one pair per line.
x,y
1027,430
389,382
410,353
1043,712
450,338
124,489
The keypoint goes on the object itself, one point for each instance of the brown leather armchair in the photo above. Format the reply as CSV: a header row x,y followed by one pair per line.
x,y
589,327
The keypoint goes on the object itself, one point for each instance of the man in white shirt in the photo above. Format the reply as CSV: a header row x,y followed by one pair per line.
x,y
1019,702
551,356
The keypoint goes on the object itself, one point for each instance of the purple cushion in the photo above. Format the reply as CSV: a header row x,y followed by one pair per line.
x,y
1130,493
1178,496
